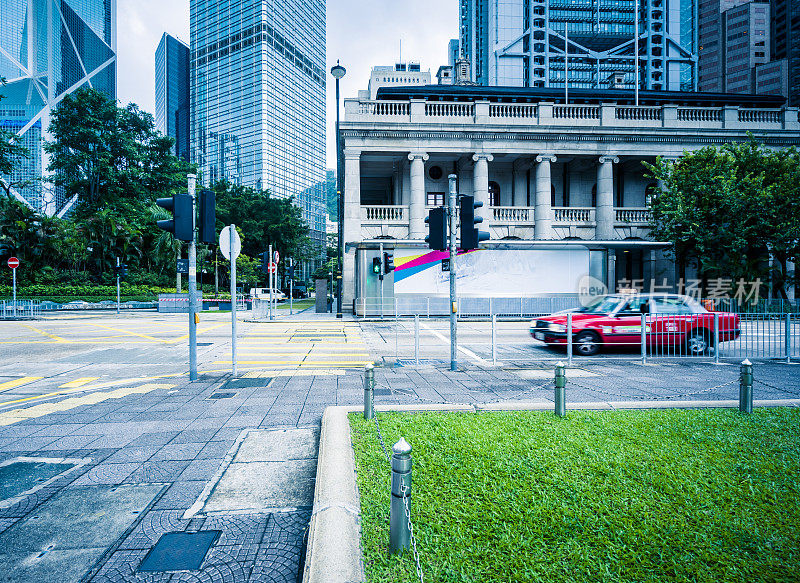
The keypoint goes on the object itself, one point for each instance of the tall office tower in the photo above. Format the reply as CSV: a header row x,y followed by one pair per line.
x,y
522,43
711,49
172,93
746,39
786,43
258,96
49,48
453,52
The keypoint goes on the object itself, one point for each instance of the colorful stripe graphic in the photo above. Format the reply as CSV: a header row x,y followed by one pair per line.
x,y
413,264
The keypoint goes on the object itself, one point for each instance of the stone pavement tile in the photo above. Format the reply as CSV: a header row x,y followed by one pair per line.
x,y
112,441
222,565
58,430
71,442
279,421
21,429
161,471
31,443
6,523
227,433
121,567
178,451
238,529
180,495
215,449
207,423
152,525
194,436
201,469
158,439
106,473
133,454
244,421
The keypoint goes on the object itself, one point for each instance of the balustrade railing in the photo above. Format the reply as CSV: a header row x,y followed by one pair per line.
x,y
633,215
383,107
573,214
512,214
576,112
449,109
385,213
515,111
699,114
638,113
759,116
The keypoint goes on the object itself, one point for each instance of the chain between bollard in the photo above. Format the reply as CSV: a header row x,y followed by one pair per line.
x,y
413,539
651,397
774,388
383,444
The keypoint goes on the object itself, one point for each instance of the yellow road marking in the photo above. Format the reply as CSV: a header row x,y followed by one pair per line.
x,y
43,333
299,362
154,339
16,415
78,382
199,331
17,382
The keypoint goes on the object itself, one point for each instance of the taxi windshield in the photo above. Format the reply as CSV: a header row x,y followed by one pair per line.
x,y
604,305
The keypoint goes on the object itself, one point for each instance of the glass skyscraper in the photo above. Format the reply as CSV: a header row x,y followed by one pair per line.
x,y
521,43
172,92
258,97
49,48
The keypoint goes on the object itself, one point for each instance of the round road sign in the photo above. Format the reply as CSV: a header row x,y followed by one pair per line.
x,y
273,267
225,243
13,262
276,257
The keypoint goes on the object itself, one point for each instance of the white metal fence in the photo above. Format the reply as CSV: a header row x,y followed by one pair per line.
x,y
468,307
21,310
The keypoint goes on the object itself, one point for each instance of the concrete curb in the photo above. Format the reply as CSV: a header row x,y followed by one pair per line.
x,y
334,537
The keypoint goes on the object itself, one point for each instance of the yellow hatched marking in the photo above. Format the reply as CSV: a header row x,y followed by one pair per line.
x,y
17,382
199,331
16,415
43,333
78,382
145,336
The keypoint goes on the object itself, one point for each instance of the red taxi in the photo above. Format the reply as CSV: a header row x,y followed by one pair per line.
x,y
673,323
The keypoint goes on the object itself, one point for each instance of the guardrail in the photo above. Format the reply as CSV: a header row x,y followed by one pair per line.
x,y
468,307
20,310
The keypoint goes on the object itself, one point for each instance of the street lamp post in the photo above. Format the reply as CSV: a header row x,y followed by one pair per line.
x,y
338,72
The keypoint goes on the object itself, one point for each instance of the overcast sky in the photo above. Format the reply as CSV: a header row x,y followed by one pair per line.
x,y
361,33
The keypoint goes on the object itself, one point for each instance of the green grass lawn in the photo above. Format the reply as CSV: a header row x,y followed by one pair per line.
x,y
297,305
664,495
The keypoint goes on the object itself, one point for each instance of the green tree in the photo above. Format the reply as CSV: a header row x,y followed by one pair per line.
x,y
111,157
725,210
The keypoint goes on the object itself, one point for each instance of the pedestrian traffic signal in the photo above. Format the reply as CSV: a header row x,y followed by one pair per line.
x,y
376,265
181,225
470,235
207,223
437,229
388,263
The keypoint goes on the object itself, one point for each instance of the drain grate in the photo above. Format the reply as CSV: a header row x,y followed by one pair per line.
x,y
179,551
255,383
222,395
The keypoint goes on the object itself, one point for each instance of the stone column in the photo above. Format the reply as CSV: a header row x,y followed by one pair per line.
x,y
352,223
604,214
480,186
416,210
543,210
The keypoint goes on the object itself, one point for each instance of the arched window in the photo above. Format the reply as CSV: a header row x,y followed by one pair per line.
x,y
494,194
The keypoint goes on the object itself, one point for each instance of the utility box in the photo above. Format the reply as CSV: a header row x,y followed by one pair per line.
x,y
322,296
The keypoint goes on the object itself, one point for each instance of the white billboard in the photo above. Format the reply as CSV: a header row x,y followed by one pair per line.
x,y
487,273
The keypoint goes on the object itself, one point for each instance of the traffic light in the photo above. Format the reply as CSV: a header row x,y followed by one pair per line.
x,y
376,265
470,235
437,229
181,224
123,270
207,223
388,263
265,262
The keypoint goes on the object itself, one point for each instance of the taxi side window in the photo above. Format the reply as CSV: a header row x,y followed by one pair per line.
x,y
632,308
671,306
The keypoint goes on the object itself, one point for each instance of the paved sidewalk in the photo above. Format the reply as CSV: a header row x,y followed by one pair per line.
x,y
149,456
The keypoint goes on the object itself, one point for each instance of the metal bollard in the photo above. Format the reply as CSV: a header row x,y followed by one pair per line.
x,y
561,383
746,387
416,339
369,391
399,532
494,339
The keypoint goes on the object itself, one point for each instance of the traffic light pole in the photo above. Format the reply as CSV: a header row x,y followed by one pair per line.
x,y
269,276
117,286
192,179
381,276
233,301
452,212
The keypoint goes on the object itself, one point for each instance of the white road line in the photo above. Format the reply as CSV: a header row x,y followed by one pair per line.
x,y
466,351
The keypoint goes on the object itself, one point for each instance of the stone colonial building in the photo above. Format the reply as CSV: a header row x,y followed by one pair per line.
x,y
547,171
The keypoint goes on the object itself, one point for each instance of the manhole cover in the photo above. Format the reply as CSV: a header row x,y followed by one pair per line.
x,y
179,551
247,383
205,344
422,362
222,395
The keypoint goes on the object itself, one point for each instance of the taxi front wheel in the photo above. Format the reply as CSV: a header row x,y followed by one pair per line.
x,y
698,343
587,343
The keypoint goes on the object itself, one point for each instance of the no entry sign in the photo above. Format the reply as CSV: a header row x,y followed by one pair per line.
x,y
272,267
13,262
